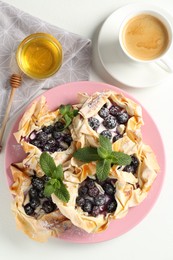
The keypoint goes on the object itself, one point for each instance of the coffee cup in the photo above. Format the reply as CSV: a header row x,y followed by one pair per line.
x,y
146,37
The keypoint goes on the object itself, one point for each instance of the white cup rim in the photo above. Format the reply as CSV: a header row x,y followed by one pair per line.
x,y
159,16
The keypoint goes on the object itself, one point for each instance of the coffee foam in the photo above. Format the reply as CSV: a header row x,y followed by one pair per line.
x,y
145,37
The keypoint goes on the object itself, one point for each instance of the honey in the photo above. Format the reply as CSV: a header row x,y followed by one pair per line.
x,y
39,55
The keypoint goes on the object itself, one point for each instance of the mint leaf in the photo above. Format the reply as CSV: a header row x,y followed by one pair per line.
x,y
47,164
102,169
104,157
58,172
68,114
87,154
54,184
75,112
120,158
57,184
62,193
48,189
102,152
67,121
64,109
105,143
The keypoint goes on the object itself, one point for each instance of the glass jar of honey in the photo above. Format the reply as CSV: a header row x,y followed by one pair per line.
x,y
39,55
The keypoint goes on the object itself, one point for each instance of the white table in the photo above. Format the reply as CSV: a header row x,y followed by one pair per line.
x,y
153,237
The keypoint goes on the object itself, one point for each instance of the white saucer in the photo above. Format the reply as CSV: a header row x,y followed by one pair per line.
x,y
115,62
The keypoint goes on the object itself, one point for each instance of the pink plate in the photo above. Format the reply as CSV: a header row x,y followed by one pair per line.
x,y
67,94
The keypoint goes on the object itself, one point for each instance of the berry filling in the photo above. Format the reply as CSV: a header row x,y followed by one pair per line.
x,y
133,166
110,121
96,197
37,203
52,138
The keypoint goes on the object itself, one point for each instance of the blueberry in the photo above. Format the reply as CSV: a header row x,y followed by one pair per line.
x,y
114,110
95,211
41,194
83,190
48,206
28,209
51,141
93,192
110,122
90,183
94,123
50,147
135,161
107,134
111,207
36,143
109,189
116,137
67,138
37,183
100,200
53,149
108,198
122,118
57,135
87,207
47,147
103,112
103,208
133,166
33,193
48,129
35,202
59,126
42,137
45,178
129,168
91,199
80,201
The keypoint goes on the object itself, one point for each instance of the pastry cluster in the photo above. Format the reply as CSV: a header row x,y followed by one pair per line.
x,y
94,199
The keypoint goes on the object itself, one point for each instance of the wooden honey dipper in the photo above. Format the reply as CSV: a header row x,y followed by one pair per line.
x,y
15,82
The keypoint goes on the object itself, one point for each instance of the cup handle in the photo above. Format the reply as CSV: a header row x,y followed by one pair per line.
x,y
165,63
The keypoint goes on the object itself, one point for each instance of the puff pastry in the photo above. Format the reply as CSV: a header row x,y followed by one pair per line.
x,y
41,130
131,186
115,106
92,204
40,225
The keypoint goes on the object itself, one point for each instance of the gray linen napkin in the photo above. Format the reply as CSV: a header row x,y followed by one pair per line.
x,y
15,25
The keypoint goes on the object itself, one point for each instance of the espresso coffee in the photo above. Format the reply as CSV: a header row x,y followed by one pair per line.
x,y
145,37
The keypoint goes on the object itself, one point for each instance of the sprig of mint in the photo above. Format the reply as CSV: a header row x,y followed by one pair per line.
x,y
68,113
55,173
104,156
